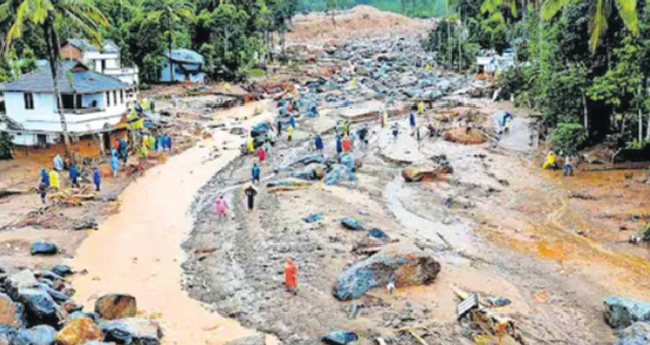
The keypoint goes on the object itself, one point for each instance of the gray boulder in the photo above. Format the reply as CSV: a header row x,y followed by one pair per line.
x,y
400,264
62,270
40,307
622,312
132,331
637,334
256,339
11,313
44,248
340,337
38,335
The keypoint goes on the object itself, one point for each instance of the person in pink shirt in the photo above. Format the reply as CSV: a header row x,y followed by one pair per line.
x,y
261,154
221,207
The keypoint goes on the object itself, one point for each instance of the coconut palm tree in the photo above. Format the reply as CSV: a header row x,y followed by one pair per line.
x,y
167,14
600,11
81,14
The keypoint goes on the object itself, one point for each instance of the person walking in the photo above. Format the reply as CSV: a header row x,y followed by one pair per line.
x,y
97,178
568,165
395,131
123,150
255,173
58,163
115,165
250,195
45,177
291,276
261,154
221,207
346,144
55,181
42,190
412,120
318,143
339,145
250,145
74,175
289,133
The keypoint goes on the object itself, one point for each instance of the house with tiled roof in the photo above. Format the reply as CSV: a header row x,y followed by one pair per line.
x,y
92,103
106,59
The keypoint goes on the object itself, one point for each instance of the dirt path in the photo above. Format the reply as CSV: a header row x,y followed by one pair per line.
x,y
138,250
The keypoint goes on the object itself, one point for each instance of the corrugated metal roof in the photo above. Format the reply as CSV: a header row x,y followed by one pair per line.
x,y
108,46
83,80
185,56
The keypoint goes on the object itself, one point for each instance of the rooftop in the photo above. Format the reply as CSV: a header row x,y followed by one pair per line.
x,y
185,56
74,77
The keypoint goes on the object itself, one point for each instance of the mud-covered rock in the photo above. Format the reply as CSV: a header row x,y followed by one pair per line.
x,y
62,270
40,307
7,334
11,313
116,306
256,339
44,248
340,338
38,335
311,172
79,331
401,264
132,331
623,312
637,334
351,223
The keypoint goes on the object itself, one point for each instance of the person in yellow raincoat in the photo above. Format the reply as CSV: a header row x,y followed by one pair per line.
x,y
145,104
550,161
420,108
55,182
354,81
152,142
144,152
250,145
289,132
427,67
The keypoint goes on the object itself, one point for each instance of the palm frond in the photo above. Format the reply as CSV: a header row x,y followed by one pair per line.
x,y
627,11
598,24
551,7
16,30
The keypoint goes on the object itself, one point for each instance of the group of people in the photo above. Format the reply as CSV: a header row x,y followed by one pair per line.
x,y
551,162
52,180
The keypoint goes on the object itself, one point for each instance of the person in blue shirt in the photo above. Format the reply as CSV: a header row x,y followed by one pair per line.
x,y
115,164
412,119
74,175
97,178
318,143
339,145
45,177
255,173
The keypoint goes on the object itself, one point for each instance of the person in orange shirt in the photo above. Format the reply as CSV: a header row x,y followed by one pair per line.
x,y
347,144
291,276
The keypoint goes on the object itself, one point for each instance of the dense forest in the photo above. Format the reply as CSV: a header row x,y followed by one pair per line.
x,y
584,65
231,35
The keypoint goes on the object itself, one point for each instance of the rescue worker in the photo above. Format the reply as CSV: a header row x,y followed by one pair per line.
x,y
339,145
420,108
97,178
550,161
58,163
42,190
250,146
55,182
123,150
395,131
412,119
568,166
346,144
144,152
383,118
291,276
346,128
289,133
45,177
261,154
115,165
221,207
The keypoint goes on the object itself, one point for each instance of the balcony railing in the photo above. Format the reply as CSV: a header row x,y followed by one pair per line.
x,y
82,111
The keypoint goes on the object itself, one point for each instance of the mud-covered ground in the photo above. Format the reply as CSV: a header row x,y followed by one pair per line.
x,y
507,233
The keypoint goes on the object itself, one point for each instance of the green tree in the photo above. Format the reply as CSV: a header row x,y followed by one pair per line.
x,y
167,15
82,14
600,15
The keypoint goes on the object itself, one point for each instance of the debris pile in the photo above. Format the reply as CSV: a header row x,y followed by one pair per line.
x,y
37,308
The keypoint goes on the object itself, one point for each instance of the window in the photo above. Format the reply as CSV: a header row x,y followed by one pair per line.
x,y
114,97
29,101
108,99
122,96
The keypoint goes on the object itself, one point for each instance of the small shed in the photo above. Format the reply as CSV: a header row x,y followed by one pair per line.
x,y
183,65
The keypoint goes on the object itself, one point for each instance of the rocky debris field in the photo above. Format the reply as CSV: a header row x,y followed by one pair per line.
x,y
37,307
390,237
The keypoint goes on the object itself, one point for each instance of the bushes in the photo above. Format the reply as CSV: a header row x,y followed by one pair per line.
x,y
568,137
5,146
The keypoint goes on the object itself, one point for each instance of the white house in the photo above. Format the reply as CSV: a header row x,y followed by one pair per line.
x,y
92,103
183,65
106,60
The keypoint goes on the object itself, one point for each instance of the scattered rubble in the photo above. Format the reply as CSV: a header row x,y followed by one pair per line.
x,y
636,334
622,312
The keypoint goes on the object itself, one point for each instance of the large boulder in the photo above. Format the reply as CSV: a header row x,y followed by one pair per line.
x,y
62,270
116,306
402,265
38,335
622,312
44,248
311,172
637,334
40,307
132,330
79,331
7,334
11,313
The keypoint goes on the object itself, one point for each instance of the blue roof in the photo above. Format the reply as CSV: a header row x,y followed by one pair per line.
x,y
185,56
73,77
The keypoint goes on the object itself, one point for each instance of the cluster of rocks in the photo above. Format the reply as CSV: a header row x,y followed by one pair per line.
x,y
36,307
631,316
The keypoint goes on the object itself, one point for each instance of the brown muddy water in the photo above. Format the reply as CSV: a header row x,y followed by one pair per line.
x,y
138,250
